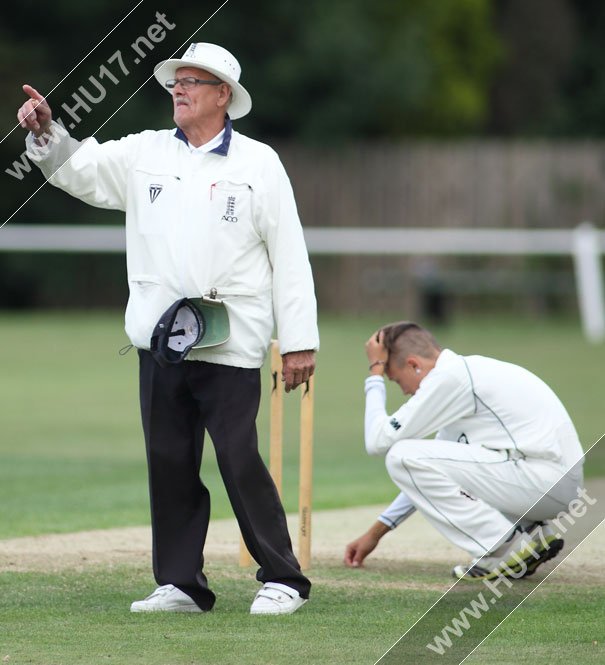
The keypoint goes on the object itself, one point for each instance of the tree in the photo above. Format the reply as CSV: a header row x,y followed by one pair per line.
x,y
539,38
582,111
353,68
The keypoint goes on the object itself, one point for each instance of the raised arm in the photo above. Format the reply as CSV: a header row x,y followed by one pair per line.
x,y
93,172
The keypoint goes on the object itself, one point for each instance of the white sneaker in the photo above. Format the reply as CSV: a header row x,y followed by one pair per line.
x,y
166,598
275,598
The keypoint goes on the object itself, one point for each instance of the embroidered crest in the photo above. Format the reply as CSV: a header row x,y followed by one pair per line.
x,y
154,192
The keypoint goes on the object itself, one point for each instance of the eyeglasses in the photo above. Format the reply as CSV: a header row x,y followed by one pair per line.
x,y
189,81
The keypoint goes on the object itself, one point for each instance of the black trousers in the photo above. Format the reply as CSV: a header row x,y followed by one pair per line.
x,y
178,404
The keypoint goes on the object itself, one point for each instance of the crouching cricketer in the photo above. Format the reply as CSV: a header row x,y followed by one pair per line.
x,y
505,460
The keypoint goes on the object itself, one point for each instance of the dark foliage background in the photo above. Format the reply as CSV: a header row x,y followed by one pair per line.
x,y
321,74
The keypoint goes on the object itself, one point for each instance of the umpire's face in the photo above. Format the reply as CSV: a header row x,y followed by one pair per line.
x,y
195,104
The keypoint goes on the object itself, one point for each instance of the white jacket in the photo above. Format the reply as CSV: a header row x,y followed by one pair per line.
x,y
197,221
479,401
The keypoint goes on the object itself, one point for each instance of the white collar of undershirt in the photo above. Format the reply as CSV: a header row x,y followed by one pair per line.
x,y
210,145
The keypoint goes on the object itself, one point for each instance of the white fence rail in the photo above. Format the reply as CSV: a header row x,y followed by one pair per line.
x,y
585,244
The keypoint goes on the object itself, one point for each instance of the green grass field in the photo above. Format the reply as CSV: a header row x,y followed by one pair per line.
x,y
72,458
82,619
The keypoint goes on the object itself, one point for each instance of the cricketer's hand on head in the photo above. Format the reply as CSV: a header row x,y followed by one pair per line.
x,y
297,367
35,115
375,348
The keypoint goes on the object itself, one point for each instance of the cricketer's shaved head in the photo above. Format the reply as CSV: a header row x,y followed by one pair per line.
x,y
405,338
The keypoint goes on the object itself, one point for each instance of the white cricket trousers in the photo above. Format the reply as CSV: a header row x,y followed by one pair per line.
x,y
474,495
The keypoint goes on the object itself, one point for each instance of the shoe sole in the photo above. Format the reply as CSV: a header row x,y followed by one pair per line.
x,y
526,558
167,609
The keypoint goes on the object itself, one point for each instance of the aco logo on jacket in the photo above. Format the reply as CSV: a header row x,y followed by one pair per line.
x,y
229,215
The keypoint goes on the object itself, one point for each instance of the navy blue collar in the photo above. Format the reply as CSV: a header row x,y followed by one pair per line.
x,y
223,148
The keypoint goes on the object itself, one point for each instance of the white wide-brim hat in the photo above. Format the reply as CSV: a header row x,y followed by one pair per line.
x,y
216,60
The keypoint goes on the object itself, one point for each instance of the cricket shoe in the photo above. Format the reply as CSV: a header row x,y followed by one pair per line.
x,y
166,598
512,559
275,598
552,544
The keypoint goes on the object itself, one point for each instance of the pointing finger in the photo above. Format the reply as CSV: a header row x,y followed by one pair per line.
x,y
33,93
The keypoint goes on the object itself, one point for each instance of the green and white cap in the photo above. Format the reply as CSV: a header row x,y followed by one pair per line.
x,y
189,323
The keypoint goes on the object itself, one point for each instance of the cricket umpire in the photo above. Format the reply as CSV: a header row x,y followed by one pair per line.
x,y
505,460
210,214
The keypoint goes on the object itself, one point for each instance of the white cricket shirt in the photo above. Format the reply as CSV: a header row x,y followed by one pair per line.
x,y
473,400
223,218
